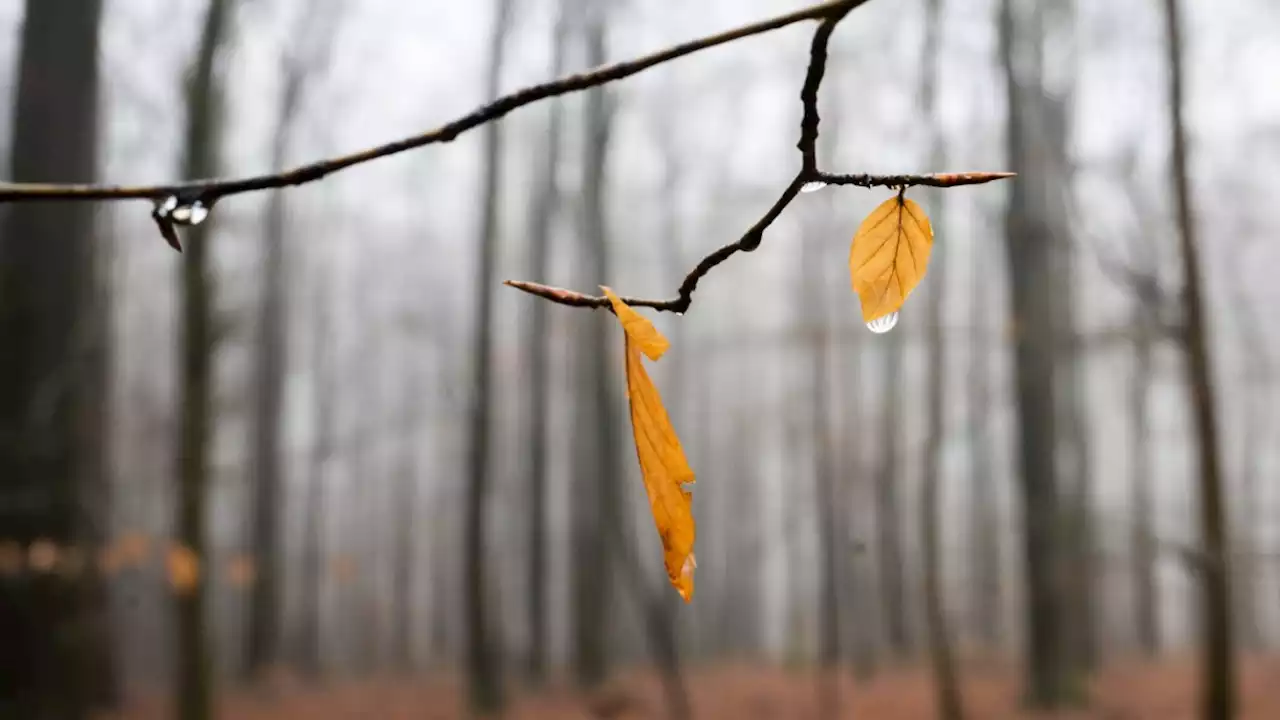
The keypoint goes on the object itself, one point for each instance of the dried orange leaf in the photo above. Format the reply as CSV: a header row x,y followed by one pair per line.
x,y
637,327
889,256
663,466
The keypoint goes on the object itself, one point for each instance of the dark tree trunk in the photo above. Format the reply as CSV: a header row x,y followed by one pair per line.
x,y
194,691
261,643
1218,661
55,654
950,706
985,600
404,522
1146,608
313,553
483,663
597,480
1029,258
812,306
892,559
537,348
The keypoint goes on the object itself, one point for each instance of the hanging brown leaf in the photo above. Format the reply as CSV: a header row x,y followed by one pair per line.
x,y
666,472
889,256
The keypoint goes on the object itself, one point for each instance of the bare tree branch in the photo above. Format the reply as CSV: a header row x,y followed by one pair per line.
x,y
210,191
809,173
174,202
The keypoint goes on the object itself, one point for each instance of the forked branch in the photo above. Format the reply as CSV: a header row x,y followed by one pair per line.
x,y
188,202
831,15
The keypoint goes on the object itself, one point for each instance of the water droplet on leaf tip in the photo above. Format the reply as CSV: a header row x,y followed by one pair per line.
x,y
883,324
812,186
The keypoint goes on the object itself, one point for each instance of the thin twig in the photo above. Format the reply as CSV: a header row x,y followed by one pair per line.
x,y
938,180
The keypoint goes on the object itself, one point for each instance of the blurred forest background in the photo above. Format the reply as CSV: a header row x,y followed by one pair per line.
x,y
323,464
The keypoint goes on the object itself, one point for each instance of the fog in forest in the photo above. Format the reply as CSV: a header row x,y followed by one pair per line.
x,y
323,463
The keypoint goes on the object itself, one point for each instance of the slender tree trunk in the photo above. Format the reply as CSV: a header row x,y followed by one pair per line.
x,y
1248,625
1146,609
313,554
986,593
405,522
1054,114
262,641
483,664
194,688
950,706
892,559
1218,661
1256,369
1029,260
536,347
813,284
597,480
55,657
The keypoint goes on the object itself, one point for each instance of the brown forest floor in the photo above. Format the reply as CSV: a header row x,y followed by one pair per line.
x,y
1123,692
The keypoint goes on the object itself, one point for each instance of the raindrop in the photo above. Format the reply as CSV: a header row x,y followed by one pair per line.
x,y
167,206
884,323
812,186
192,214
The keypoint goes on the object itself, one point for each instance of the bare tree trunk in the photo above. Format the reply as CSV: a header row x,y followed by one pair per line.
x,y
891,560
1053,114
1029,260
813,283
536,347
1219,676
598,480
405,521
984,543
1146,609
54,336
1256,424
313,586
194,687
261,643
483,665
950,706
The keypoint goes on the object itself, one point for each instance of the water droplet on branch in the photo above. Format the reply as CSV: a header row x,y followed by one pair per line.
x,y
812,186
192,214
884,323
